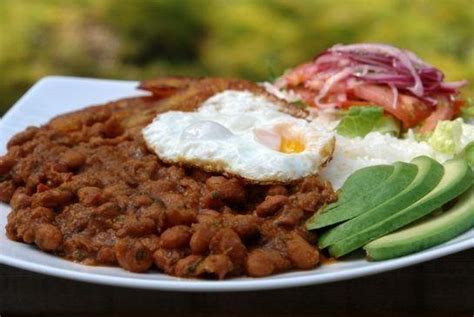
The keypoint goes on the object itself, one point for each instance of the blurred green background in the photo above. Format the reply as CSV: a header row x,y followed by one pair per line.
x,y
140,39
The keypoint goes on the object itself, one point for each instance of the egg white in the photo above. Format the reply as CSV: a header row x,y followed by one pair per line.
x,y
221,137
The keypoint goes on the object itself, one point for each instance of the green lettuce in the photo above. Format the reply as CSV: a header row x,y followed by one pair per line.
x,y
359,121
388,124
446,137
422,136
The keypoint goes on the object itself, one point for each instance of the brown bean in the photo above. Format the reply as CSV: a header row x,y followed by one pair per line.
x,y
6,164
20,199
301,253
226,241
99,115
90,196
187,266
25,232
133,256
42,188
309,201
176,217
7,189
176,237
211,200
117,189
137,226
106,255
151,241
73,159
106,210
25,222
201,238
142,200
246,226
51,198
209,214
165,259
79,247
308,184
175,172
229,190
112,128
290,217
156,188
41,214
271,205
156,212
218,265
96,130
172,200
22,137
48,237
264,262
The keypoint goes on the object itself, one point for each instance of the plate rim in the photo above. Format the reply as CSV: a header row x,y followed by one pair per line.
x,y
234,285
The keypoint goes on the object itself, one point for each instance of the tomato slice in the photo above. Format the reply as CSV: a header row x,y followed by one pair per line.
x,y
442,112
457,106
410,110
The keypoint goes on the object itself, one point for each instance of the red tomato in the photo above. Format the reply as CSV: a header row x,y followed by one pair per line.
x,y
410,110
458,104
442,112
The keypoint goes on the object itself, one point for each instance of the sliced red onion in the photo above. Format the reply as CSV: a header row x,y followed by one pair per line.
x,y
395,95
381,55
344,73
453,84
289,96
401,70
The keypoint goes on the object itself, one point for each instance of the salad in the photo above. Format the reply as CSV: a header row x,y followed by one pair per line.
x,y
385,103
409,89
404,156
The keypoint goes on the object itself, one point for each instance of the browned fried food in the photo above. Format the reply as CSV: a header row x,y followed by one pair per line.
x,y
85,187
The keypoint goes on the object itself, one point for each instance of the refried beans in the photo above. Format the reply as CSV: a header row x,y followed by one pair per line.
x,y
85,187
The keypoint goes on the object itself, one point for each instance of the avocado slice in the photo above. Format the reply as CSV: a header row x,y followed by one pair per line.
x,y
361,182
402,175
429,174
457,179
430,232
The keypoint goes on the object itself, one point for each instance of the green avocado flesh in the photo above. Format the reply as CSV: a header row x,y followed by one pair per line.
x,y
429,175
457,179
426,234
403,174
361,182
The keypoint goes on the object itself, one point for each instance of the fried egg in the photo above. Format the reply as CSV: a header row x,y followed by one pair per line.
x,y
242,134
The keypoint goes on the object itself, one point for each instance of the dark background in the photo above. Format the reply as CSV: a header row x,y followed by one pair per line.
x,y
443,287
139,39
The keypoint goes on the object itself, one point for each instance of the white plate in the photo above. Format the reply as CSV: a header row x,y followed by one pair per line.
x,y
54,95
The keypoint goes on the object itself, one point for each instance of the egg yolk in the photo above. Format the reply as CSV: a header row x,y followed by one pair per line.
x,y
291,146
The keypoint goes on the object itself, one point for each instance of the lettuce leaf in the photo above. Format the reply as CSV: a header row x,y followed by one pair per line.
x,y
388,124
359,121
446,137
